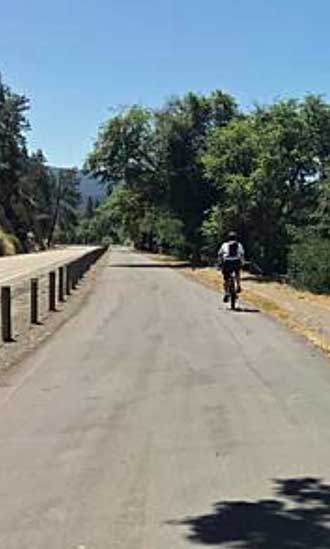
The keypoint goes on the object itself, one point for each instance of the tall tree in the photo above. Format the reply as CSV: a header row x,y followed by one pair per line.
x,y
37,187
65,199
182,127
124,158
90,208
13,154
123,152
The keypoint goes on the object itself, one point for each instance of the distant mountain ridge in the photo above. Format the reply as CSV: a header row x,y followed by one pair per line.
x,y
89,186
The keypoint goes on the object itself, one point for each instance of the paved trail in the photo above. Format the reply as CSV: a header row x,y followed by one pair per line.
x,y
153,405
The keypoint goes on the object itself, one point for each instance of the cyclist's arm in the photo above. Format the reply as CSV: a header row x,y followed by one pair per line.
x,y
220,255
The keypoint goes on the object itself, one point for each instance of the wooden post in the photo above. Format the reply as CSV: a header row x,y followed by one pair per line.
x,y
73,270
34,301
81,267
52,291
61,284
68,280
78,267
6,323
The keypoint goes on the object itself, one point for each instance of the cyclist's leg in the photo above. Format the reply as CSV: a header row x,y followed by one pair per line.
x,y
226,281
238,278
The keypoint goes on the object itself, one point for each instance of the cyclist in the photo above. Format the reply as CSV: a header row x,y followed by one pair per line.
x,y
230,258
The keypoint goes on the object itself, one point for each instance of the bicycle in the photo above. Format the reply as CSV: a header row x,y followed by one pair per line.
x,y
233,294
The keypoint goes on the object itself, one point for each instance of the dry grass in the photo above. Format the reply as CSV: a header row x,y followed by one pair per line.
x,y
7,244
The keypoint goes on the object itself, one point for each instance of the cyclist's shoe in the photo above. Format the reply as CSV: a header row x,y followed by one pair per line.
x,y
226,298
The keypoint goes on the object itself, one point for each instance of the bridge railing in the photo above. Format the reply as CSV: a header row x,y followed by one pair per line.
x,y
33,300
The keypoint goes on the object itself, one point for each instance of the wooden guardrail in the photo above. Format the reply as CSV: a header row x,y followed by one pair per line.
x,y
61,282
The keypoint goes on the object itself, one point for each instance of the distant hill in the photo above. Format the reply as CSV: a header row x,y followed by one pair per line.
x,y
89,186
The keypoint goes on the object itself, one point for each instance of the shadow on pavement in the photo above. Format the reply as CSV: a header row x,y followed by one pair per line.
x,y
297,519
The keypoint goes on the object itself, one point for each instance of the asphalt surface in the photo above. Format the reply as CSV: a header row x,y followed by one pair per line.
x,y
153,405
22,266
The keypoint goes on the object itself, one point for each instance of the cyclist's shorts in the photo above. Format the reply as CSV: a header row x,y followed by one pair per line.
x,y
231,266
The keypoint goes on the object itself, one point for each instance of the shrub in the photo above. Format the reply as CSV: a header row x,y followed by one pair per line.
x,y
8,244
106,241
309,263
169,233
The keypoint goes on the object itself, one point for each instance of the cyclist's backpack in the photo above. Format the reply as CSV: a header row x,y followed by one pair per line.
x,y
233,249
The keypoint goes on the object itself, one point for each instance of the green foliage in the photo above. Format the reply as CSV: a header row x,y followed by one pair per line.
x,y
182,128
36,205
309,262
123,150
106,241
213,232
268,175
108,221
154,159
64,201
90,208
320,217
13,155
169,234
183,176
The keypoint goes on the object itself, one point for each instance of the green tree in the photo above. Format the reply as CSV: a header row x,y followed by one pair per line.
x,y
64,201
180,177
124,158
229,161
320,218
37,186
13,155
123,152
266,173
35,205
182,128
90,208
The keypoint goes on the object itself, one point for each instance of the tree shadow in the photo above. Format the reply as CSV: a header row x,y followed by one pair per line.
x,y
297,519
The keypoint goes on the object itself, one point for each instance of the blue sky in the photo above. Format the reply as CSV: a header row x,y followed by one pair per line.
x,y
76,59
